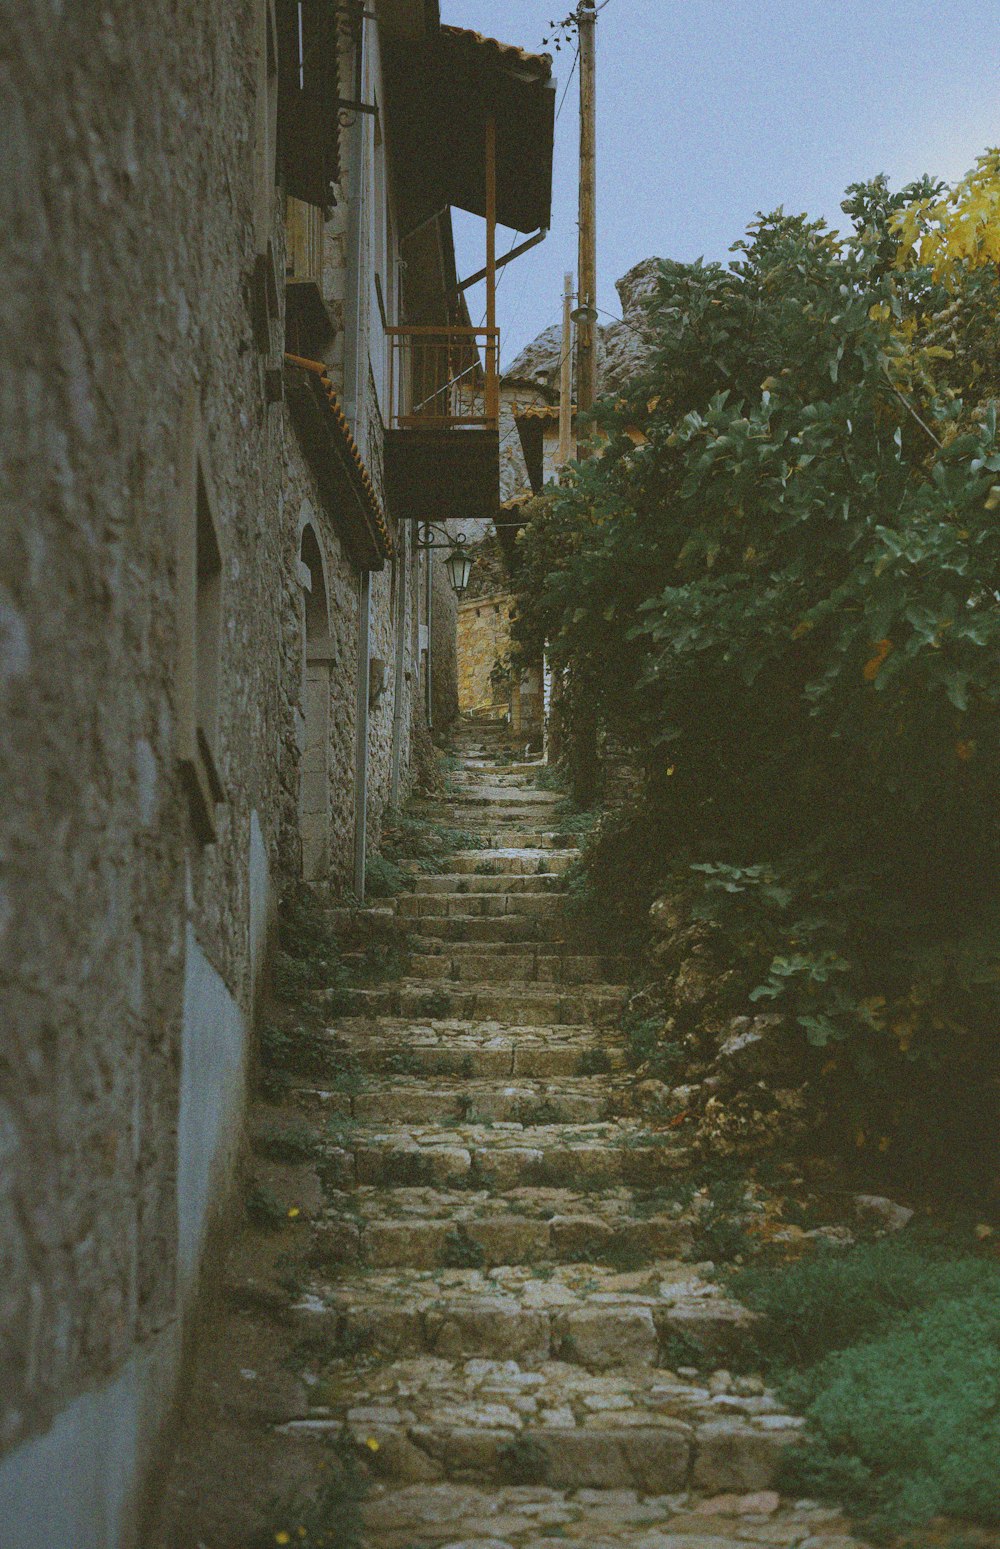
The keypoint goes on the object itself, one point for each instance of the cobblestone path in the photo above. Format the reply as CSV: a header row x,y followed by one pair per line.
x,y
496,1302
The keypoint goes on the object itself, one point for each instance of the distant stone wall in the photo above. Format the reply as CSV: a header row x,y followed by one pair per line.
x,y
483,638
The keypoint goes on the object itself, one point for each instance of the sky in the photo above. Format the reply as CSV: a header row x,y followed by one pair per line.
x,y
710,110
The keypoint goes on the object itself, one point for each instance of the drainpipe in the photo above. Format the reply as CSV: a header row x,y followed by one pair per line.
x,y
361,728
354,378
397,703
429,586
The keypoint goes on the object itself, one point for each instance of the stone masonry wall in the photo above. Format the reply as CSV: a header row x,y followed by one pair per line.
x,y
129,949
129,209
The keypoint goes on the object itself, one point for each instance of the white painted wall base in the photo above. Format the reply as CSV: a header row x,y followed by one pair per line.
x,y
76,1487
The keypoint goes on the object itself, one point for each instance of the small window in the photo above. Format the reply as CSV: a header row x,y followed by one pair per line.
x,y
199,632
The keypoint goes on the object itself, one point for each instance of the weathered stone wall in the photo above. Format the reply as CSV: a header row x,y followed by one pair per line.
x,y
130,949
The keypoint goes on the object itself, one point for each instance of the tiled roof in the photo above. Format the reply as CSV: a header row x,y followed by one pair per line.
x,y
541,411
538,65
361,479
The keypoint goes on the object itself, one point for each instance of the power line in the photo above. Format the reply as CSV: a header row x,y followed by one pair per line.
x,y
569,78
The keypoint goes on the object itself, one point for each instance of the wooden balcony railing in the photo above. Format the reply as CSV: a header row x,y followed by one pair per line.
x,y
444,378
303,244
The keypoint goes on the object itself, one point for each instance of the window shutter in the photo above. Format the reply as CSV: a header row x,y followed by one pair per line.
x,y
308,98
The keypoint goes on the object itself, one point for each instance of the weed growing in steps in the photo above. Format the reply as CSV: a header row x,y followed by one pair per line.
x,y
646,1045
892,1351
329,1518
263,1208
383,878
523,1460
594,1062
461,1251
293,1141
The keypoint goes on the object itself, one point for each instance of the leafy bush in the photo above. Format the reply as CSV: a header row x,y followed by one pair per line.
x,y
840,1297
778,588
892,1351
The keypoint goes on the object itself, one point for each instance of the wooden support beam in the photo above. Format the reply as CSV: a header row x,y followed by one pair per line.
x,y
508,258
492,350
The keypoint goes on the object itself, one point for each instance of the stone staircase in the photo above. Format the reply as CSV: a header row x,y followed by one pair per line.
x,y
500,1315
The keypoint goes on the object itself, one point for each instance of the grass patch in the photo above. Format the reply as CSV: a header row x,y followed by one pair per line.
x,y
892,1351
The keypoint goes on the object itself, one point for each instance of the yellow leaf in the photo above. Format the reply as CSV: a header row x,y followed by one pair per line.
x,y
282,1538
670,769
653,404
372,1444
293,1212
993,498
983,1231
802,628
871,667
636,436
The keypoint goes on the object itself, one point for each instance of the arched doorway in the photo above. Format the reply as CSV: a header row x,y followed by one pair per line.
x,y
314,785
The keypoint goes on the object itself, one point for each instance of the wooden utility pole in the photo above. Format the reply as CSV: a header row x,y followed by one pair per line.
x,y
566,376
586,338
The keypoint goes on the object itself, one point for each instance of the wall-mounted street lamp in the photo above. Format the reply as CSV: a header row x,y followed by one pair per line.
x,y
459,568
459,561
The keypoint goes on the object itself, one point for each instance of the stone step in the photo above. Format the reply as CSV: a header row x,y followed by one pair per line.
x,y
452,1046
499,966
470,930
493,882
498,796
583,1314
500,838
523,1003
419,1100
545,905
432,1516
482,1421
512,860
504,1155
425,1228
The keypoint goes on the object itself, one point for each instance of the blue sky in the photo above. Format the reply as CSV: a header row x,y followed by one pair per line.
x,y
709,110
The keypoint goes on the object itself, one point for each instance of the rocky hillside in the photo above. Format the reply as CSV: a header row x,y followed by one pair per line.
x,y
623,347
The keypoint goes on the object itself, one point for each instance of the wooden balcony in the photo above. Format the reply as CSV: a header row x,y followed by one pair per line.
x,y
444,378
442,439
307,322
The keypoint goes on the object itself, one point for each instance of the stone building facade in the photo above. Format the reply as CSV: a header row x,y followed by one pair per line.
x,y
213,650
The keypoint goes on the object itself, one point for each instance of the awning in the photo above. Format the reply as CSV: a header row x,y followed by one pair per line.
x,y
441,92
